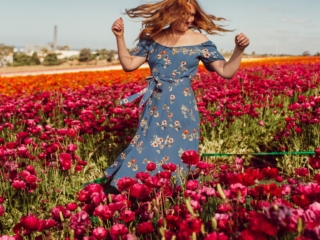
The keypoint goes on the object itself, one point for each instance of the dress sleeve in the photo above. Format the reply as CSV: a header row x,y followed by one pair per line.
x,y
209,53
142,48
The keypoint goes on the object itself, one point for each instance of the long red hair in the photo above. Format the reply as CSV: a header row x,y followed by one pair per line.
x,y
159,15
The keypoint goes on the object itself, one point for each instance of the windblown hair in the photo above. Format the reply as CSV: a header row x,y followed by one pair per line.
x,y
159,15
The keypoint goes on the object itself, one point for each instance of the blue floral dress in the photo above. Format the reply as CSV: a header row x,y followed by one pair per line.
x,y
169,124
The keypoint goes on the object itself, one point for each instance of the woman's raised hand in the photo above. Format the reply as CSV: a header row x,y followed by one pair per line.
x,y
242,41
118,27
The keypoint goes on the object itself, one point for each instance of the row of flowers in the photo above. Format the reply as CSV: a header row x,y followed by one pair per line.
x,y
232,203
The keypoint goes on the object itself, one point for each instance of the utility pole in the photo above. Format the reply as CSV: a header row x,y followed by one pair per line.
x,y
55,38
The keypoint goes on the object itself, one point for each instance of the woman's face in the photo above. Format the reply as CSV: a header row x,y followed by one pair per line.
x,y
184,23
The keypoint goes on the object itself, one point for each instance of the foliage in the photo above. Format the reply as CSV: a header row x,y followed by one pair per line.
x,y
5,50
51,59
85,55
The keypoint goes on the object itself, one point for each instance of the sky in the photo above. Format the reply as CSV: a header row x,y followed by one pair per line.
x,y
273,26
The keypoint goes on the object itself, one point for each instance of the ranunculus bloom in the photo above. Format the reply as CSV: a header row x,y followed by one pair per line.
x,y
30,222
169,167
118,230
302,172
127,216
72,147
103,211
65,160
145,228
125,183
71,206
99,233
190,157
192,185
151,166
191,225
315,162
139,191
18,184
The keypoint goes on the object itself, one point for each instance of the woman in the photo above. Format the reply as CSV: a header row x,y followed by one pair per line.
x,y
169,124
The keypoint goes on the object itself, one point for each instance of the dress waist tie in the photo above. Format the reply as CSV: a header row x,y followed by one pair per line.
x,y
154,85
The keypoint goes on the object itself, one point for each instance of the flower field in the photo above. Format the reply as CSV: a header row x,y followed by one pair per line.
x,y
58,132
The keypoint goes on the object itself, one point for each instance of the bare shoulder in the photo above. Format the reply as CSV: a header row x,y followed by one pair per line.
x,y
197,37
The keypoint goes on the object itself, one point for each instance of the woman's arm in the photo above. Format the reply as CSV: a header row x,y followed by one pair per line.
x,y
228,69
128,62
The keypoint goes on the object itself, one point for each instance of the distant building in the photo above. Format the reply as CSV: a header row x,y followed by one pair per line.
x,y
67,53
38,48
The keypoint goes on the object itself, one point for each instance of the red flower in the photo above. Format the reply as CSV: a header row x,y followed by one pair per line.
x,y
127,216
315,162
99,233
65,160
301,200
216,236
250,235
71,206
303,172
269,172
118,229
190,157
145,228
317,151
202,165
151,166
125,183
169,167
30,223
139,191
191,225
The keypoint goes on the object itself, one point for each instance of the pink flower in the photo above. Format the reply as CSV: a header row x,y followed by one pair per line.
x,y
190,157
99,233
18,184
72,147
118,230
192,185
5,237
315,207
103,212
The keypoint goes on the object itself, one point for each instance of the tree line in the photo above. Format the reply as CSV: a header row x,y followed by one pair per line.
x,y
52,59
